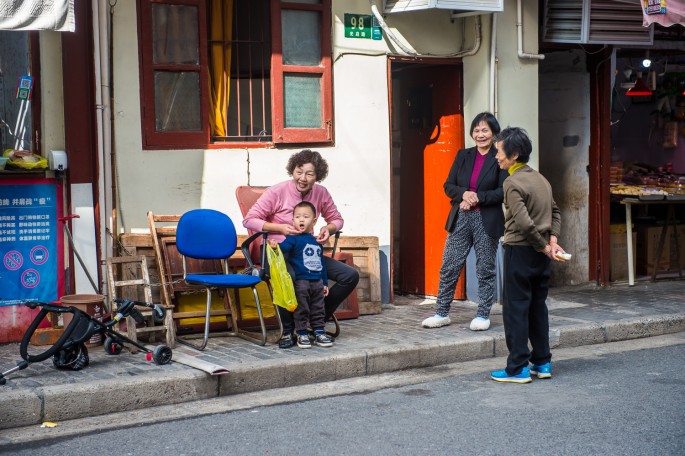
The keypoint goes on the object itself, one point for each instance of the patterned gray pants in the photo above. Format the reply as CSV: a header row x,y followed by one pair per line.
x,y
468,233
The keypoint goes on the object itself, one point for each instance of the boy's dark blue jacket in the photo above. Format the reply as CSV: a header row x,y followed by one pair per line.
x,y
306,257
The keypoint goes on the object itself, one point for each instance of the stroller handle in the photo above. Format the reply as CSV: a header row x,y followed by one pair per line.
x,y
127,306
49,307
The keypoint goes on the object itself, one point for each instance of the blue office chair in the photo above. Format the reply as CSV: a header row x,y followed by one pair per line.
x,y
206,234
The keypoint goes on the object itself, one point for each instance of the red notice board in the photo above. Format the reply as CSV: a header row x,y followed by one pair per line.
x,y
31,249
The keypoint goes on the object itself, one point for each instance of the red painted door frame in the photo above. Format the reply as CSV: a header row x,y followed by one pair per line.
x,y
80,128
600,161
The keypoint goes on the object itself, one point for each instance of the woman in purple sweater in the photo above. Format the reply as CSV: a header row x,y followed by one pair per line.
x,y
474,187
273,212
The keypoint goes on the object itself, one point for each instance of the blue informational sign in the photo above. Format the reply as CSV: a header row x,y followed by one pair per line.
x,y
31,241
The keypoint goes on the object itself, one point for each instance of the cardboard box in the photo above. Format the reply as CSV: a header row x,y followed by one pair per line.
x,y
619,255
671,259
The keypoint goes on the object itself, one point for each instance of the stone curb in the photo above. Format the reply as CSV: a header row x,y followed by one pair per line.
x,y
65,402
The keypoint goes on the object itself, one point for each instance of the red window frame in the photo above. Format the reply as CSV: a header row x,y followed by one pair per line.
x,y
153,139
281,134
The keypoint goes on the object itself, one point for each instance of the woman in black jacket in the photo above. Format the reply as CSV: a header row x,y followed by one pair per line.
x,y
474,186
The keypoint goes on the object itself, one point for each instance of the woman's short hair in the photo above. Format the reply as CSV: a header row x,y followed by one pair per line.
x,y
489,119
515,141
308,156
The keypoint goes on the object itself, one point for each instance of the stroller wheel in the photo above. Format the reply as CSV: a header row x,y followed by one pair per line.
x,y
112,346
162,355
74,358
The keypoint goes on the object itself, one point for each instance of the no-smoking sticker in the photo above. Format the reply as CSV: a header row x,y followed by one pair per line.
x,y
13,260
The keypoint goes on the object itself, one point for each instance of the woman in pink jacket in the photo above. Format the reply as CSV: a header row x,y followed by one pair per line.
x,y
274,212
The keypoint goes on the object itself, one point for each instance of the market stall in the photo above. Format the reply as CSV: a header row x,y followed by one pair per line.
x,y
647,174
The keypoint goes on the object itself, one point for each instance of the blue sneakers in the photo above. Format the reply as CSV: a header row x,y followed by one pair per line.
x,y
542,371
502,376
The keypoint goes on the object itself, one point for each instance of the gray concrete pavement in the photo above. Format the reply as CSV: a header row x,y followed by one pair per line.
x,y
374,344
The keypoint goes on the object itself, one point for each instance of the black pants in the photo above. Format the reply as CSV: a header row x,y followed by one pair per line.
x,y
526,282
310,305
345,278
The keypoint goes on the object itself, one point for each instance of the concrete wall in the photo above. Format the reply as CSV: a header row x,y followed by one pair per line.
x,y
564,146
52,97
174,181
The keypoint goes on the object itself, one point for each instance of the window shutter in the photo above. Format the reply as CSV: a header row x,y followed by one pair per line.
x,y
173,66
595,22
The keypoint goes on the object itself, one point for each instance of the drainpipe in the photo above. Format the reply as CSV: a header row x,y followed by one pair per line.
x,y
519,29
493,66
100,60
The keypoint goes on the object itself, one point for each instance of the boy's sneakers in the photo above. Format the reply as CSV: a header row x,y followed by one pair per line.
x,y
502,376
436,321
542,370
303,341
323,340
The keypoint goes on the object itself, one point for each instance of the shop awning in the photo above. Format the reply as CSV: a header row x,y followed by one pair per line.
x,y
663,12
37,15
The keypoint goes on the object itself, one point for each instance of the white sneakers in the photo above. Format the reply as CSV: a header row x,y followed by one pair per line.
x,y
480,324
436,321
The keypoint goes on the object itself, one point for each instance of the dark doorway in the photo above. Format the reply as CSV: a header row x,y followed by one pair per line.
x,y
427,131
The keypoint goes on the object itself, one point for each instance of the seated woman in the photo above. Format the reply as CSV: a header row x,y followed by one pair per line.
x,y
273,212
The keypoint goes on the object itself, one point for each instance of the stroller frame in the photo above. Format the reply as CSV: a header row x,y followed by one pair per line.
x,y
70,352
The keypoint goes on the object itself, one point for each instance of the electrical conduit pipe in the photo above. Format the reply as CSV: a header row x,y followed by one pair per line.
x,y
519,29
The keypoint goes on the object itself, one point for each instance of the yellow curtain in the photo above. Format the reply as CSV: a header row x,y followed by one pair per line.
x,y
221,30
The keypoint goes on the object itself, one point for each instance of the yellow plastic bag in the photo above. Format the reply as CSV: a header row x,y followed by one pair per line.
x,y
281,283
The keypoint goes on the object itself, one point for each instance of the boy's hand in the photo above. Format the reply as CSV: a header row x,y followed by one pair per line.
x,y
325,290
272,243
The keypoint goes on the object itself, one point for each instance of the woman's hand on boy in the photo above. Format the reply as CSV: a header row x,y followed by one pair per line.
x,y
324,234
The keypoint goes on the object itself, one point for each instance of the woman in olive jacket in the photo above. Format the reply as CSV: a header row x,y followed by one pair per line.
x,y
474,186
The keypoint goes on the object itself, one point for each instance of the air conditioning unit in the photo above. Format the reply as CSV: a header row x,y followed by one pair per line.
x,y
400,6
595,22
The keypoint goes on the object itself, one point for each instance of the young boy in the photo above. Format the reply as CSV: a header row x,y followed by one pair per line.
x,y
304,255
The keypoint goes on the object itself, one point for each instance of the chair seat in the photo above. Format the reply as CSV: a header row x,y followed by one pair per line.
x,y
223,280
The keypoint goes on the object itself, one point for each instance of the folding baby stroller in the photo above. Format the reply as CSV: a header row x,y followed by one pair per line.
x,y
70,352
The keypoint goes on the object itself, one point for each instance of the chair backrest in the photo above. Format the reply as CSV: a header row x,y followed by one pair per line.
x,y
247,196
206,233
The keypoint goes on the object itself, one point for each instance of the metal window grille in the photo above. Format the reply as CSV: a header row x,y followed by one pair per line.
x,y
248,117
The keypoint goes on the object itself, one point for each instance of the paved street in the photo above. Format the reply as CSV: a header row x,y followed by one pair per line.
x,y
621,398
370,345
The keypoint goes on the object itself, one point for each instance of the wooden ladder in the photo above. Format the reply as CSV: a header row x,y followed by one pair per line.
x,y
132,271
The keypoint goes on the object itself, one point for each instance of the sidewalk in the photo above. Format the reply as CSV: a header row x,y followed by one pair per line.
x,y
372,344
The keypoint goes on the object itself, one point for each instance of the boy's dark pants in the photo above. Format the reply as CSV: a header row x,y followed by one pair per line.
x,y
310,310
345,278
526,282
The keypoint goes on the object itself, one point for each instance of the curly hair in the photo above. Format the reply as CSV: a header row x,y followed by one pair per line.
x,y
308,156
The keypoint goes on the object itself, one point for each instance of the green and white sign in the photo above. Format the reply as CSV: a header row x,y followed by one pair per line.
x,y
362,26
